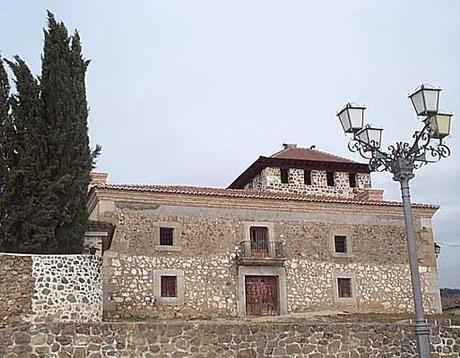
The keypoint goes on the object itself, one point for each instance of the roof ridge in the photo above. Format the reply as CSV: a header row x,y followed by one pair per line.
x,y
332,155
279,152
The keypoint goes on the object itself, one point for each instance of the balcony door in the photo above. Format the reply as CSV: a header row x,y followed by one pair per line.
x,y
259,241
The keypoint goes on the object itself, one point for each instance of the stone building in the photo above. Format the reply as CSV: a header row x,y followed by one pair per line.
x,y
299,231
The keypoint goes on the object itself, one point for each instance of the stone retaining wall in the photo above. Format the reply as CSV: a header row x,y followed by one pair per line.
x,y
50,288
68,288
16,288
221,339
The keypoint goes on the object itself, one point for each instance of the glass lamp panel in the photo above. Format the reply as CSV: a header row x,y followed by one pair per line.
x,y
375,135
356,118
362,136
417,101
345,121
431,100
441,125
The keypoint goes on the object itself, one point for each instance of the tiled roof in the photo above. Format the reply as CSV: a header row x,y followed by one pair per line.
x,y
310,154
450,298
250,194
292,156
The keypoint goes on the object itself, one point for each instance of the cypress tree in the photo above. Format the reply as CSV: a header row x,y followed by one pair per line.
x,y
27,226
47,158
4,116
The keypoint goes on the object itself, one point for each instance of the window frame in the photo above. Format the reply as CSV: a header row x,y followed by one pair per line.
x,y
180,286
177,236
349,243
353,286
343,244
264,241
270,239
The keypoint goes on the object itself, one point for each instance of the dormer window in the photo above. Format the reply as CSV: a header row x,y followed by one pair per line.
x,y
352,179
307,177
285,176
330,178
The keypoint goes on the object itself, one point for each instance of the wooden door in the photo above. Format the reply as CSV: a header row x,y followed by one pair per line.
x,y
261,295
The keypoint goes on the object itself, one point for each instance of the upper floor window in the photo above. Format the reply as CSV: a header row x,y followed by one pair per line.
x,y
352,179
340,244
307,177
167,236
330,178
284,176
259,240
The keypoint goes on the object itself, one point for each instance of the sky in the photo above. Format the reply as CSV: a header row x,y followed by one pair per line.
x,y
192,92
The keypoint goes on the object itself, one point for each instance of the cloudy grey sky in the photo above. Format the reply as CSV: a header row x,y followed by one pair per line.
x,y
191,92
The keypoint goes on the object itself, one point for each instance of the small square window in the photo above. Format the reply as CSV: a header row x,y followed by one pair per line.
x,y
307,177
340,244
352,179
168,286
344,288
167,236
330,178
284,176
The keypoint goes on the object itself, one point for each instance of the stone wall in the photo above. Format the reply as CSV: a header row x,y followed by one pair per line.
x,y
222,339
16,288
50,288
205,257
209,286
270,179
67,288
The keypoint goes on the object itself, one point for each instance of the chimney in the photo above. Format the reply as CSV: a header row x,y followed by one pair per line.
x,y
96,178
289,146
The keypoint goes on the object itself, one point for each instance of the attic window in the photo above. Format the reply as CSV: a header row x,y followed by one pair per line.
x,y
352,179
330,178
284,176
307,177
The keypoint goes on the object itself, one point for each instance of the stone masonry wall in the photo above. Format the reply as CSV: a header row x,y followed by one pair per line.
x,y
67,288
207,247
222,339
270,179
16,288
209,286
50,288
380,288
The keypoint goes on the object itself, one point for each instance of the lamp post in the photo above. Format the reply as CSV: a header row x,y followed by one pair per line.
x,y
401,159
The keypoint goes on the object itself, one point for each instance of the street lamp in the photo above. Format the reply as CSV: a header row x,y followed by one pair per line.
x,y
401,160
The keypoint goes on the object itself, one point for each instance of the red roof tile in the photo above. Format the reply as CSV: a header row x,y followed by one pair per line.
x,y
250,194
310,154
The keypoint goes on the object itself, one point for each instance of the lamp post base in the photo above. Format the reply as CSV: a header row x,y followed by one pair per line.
x,y
422,334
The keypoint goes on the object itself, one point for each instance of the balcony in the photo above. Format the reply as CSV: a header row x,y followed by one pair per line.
x,y
261,253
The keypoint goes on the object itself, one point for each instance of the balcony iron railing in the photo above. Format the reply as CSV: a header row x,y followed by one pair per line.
x,y
261,251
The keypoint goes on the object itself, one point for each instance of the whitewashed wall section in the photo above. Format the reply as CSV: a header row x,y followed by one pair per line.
x,y
68,288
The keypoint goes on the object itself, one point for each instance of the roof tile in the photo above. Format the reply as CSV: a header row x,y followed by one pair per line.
x,y
250,194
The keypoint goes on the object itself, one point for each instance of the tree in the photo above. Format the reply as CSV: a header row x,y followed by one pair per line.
x,y
48,172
